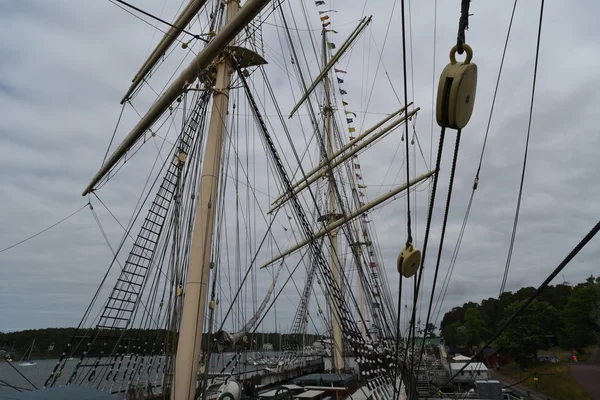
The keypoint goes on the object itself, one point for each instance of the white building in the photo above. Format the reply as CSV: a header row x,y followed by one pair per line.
x,y
474,371
267,347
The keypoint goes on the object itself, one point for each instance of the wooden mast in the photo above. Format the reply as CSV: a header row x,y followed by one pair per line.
x,y
338,345
197,283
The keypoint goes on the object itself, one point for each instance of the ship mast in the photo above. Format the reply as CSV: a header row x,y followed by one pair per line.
x,y
338,345
196,286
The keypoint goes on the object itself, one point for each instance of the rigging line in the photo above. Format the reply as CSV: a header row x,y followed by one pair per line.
x,y
199,37
408,221
384,69
397,333
23,376
43,230
463,24
6,384
586,239
113,135
516,220
381,57
228,176
452,264
428,223
443,234
412,69
162,10
126,230
487,130
433,85
141,142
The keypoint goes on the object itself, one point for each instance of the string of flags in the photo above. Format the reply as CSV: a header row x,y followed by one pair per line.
x,y
350,116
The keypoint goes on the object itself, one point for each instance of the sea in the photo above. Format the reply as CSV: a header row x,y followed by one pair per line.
x,y
14,378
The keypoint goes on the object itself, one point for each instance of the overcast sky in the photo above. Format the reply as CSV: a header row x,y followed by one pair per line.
x,y
64,66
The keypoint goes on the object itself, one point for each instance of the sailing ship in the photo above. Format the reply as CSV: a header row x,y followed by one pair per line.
x,y
185,307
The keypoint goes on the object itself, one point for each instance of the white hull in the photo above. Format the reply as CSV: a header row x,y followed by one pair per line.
x,y
27,364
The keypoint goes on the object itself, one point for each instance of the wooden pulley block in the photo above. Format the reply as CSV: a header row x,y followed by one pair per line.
x,y
456,91
409,261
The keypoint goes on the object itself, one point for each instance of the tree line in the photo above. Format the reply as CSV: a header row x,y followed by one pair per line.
x,y
562,315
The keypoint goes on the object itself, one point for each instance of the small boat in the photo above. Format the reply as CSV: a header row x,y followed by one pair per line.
x,y
28,363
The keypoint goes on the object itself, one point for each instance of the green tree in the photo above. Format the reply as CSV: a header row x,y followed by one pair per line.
x,y
454,334
430,329
580,316
527,333
474,326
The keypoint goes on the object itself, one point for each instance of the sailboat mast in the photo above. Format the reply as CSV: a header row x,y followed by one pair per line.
x,y
338,357
196,287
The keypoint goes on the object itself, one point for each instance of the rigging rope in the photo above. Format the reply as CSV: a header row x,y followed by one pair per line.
x,y
158,19
114,133
442,235
408,222
43,230
409,239
518,209
23,376
463,24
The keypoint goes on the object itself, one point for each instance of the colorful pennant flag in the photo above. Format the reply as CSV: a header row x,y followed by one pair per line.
x,y
339,71
344,103
340,80
324,17
342,91
350,112
362,187
331,30
349,120
319,3
352,137
331,45
356,165
351,130
326,24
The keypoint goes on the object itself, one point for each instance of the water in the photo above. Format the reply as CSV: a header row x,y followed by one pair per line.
x,y
39,373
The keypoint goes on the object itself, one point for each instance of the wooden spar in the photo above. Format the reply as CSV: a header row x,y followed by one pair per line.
x,y
188,13
341,150
187,77
349,217
334,163
362,25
